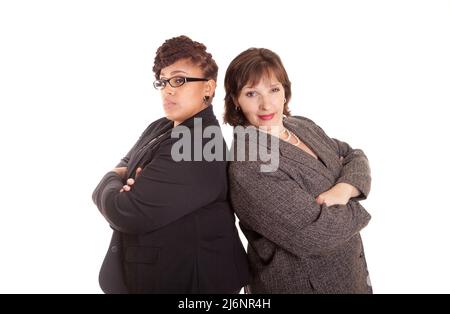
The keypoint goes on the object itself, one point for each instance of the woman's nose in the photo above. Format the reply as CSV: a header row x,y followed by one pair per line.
x,y
264,103
168,90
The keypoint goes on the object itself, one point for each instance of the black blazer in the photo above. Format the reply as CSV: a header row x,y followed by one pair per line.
x,y
174,232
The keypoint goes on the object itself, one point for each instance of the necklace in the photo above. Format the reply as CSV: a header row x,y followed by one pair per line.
x,y
296,138
289,135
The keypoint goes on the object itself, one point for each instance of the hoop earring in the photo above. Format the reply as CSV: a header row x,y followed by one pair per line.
x,y
285,101
205,100
237,108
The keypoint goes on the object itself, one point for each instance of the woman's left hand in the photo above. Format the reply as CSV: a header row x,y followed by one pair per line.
x,y
339,194
130,181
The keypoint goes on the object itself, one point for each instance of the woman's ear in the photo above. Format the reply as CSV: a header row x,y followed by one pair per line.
x,y
210,87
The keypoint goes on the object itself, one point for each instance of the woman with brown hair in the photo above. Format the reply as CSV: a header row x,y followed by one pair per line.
x,y
174,229
302,219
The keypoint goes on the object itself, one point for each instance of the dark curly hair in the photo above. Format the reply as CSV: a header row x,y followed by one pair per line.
x,y
182,47
248,68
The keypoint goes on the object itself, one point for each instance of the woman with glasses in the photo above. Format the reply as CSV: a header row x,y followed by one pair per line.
x,y
174,229
302,218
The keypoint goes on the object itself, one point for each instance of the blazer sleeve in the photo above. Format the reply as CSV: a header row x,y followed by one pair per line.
x,y
164,192
355,169
275,206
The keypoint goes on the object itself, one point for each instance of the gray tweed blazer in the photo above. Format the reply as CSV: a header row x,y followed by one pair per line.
x,y
296,245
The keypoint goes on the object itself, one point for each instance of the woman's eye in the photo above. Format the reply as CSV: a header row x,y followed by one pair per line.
x,y
250,94
179,80
275,90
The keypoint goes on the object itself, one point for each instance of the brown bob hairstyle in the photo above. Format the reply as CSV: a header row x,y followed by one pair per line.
x,y
182,47
248,68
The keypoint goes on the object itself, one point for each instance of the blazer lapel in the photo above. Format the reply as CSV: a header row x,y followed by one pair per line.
x,y
147,143
313,142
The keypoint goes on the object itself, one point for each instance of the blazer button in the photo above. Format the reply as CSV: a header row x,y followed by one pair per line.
x,y
114,248
361,255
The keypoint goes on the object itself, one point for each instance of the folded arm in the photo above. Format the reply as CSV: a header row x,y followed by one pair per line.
x,y
275,206
355,170
164,192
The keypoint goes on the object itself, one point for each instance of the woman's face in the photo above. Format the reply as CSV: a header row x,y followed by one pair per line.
x,y
181,103
263,104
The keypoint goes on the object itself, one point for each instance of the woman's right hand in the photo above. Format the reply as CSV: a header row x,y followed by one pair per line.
x,y
130,181
339,194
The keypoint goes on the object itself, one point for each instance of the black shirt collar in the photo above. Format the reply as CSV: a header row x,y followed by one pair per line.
x,y
207,116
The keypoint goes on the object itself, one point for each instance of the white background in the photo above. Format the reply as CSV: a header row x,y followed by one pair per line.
x,y
75,94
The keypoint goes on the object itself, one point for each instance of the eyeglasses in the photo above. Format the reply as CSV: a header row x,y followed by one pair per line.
x,y
176,81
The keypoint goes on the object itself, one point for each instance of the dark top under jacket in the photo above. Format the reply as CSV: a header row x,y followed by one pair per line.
x,y
296,245
174,232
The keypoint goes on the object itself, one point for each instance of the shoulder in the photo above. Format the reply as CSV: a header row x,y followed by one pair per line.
x,y
302,121
155,125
